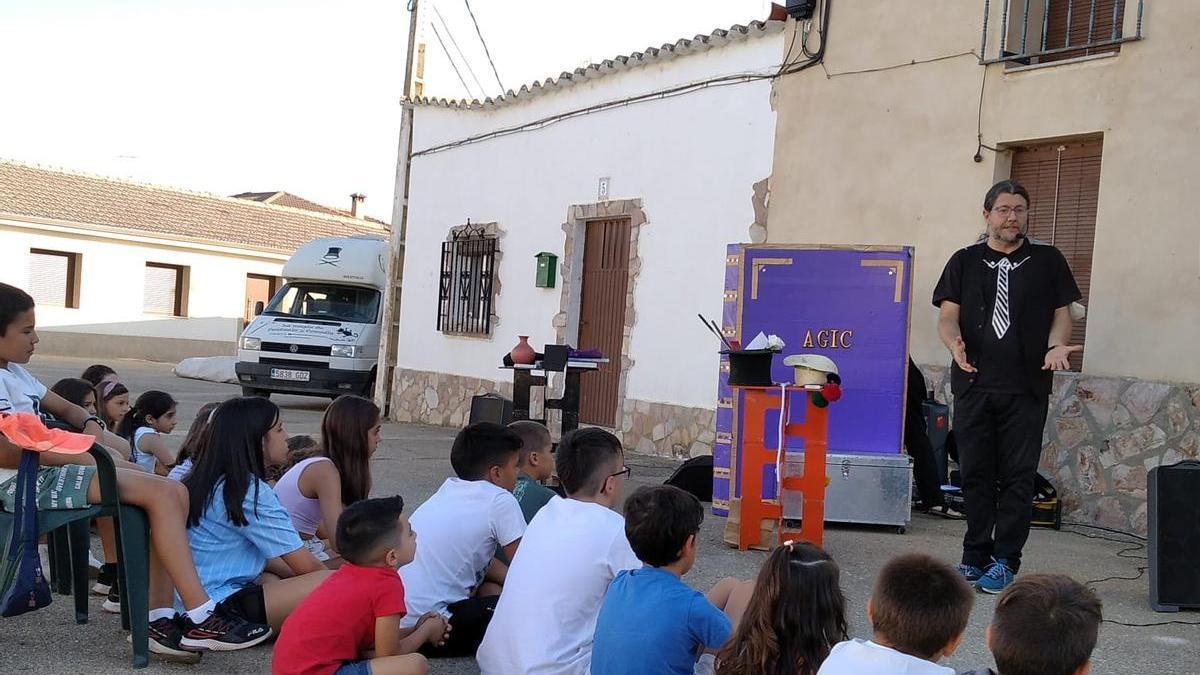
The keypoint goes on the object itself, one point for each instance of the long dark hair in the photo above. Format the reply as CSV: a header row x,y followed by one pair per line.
x,y
197,435
75,390
233,456
796,614
152,403
344,430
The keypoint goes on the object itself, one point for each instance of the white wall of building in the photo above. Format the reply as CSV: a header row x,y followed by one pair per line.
x,y
691,159
112,281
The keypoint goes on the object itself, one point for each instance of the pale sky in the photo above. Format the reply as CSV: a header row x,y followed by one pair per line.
x,y
228,96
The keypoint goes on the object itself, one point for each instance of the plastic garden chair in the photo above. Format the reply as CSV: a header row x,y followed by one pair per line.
x,y
69,534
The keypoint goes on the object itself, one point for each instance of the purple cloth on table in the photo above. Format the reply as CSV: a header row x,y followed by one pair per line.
x,y
585,354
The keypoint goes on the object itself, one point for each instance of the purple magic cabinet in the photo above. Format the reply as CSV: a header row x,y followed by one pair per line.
x,y
850,303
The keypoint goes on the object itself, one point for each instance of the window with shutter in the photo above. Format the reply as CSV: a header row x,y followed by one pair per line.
x,y
1063,180
54,278
1083,23
164,289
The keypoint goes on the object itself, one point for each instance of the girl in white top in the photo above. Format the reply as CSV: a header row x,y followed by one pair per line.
x,y
317,489
152,415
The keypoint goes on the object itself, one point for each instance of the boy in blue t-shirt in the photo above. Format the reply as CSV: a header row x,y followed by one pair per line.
x,y
651,622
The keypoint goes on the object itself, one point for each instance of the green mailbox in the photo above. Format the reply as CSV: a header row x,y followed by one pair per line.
x,y
547,269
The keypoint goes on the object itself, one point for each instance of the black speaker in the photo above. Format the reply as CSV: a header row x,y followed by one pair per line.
x,y
1173,515
694,476
491,408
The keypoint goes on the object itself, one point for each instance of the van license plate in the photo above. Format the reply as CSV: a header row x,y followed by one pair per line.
x,y
292,375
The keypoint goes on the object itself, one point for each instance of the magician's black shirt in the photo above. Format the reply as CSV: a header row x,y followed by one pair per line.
x,y
1007,344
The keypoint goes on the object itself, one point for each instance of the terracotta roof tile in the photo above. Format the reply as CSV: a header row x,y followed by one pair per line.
x,y
84,199
699,43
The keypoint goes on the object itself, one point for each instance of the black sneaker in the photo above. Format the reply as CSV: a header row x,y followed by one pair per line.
x,y
165,636
223,632
106,580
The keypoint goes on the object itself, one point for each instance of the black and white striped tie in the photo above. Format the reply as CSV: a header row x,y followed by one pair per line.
x,y
1000,319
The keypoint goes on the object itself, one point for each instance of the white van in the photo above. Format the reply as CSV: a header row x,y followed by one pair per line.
x,y
319,335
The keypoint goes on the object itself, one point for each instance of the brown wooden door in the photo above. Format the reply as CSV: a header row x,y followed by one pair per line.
x,y
602,316
1063,180
259,288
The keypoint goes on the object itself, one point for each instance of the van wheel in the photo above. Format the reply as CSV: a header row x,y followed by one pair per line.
x,y
250,391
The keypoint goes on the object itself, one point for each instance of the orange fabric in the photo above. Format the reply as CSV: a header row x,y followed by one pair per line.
x,y
26,430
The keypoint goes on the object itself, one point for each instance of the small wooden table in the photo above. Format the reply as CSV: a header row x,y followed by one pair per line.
x,y
526,377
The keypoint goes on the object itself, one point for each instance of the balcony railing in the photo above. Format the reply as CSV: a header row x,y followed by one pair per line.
x,y
1042,31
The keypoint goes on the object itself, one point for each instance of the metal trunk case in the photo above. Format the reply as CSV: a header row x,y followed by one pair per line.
x,y
866,489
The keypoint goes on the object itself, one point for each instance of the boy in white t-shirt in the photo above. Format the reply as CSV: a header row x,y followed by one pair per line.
x,y
461,526
918,611
69,482
571,552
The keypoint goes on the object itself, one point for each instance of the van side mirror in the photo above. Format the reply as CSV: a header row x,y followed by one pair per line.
x,y
258,308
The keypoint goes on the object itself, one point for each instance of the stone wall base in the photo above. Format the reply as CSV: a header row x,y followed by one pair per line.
x,y
646,427
1102,436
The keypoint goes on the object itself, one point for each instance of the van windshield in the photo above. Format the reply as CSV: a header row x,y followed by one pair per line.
x,y
325,301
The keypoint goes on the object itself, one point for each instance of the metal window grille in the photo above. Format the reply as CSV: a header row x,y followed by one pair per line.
x,y
1043,31
466,282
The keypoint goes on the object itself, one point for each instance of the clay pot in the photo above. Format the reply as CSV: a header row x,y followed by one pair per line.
x,y
523,353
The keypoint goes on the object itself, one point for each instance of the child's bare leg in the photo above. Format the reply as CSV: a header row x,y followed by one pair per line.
x,y
488,589
108,538
166,505
738,600
408,664
162,592
281,597
719,595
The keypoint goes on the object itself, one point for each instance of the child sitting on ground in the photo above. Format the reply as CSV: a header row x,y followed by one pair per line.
x,y
651,622
569,556
455,572
193,443
77,391
236,523
112,402
300,448
69,481
536,466
789,618
358,608
1045,624
151,417
316,489
918,610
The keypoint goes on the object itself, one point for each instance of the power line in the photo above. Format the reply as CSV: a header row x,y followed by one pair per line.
x,y
466,61
485,47
450,57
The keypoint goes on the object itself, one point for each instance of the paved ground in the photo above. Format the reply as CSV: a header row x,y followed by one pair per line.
x,y
413,462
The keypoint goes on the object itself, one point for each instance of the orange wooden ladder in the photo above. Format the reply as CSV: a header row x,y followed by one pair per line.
x,y
755,457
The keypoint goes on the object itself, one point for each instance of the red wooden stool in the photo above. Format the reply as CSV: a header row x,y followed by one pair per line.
x,y
755,457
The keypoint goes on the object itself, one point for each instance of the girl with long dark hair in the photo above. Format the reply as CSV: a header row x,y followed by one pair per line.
x,y
151,417
317,489
794,616
235,521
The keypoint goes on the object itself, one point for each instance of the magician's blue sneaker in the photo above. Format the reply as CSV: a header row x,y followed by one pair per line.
x,y
997,577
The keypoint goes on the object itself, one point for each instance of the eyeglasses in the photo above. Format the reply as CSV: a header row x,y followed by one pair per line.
x,y
625,471
1006,211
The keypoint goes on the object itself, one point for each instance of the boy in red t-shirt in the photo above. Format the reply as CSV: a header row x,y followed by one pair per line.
x,y
359,607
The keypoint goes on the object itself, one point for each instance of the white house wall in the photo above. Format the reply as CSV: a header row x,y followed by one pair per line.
x,y
692,160
112,280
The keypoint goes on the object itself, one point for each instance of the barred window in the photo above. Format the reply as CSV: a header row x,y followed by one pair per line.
x,y
466,282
